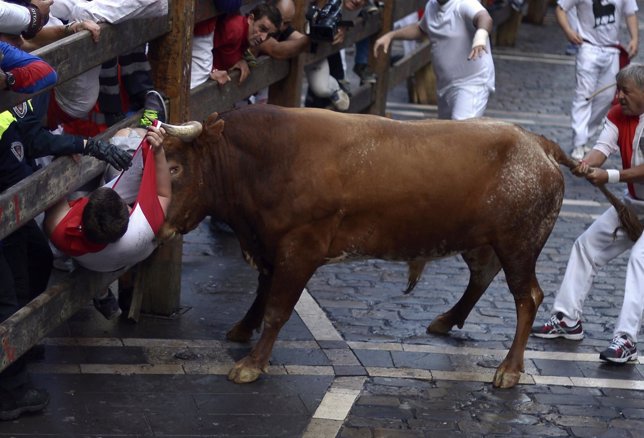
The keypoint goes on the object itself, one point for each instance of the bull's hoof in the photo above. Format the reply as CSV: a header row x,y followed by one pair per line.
x,y
506,379
441,325
239,333
242,372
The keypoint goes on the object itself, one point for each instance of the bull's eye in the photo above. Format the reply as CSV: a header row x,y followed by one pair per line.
x,y
174,170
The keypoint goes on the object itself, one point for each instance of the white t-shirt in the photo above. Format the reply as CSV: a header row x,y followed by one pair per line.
x,y
599,23
451,29
13,18
109,11
137,244
607,145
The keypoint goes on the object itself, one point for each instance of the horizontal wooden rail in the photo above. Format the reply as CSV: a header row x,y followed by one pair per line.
x,y
410,64
48,310
210,96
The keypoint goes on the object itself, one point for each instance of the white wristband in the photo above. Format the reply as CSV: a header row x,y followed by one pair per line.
x,y
480,38
613,175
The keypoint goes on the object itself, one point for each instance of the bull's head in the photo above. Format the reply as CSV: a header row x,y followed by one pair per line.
x,y
186,149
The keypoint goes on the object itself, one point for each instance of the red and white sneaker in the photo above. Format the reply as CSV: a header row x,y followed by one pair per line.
x,y
555,327
621,350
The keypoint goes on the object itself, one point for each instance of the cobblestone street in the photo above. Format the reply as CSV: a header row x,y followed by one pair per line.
x,y
355,360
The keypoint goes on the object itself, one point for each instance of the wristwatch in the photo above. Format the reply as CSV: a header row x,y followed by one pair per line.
x,y
9,79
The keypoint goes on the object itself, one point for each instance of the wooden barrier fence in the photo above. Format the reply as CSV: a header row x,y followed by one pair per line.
x,y
170,40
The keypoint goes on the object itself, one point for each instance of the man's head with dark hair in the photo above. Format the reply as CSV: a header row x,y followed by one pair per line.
x,y
263,21
287,12
105,217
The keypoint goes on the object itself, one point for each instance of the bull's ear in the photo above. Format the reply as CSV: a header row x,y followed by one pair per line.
x,y
211,119
212,129
214,125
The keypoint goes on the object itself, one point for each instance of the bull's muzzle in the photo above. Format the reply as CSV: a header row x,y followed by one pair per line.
x,y
166,232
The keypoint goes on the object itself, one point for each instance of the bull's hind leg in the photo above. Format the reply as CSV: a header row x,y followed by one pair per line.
x,y
528,295
484,265
243,330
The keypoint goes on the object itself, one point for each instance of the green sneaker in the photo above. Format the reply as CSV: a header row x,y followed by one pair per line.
x,y
154,109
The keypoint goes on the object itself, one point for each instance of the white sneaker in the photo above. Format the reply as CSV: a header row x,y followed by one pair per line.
x,y
340,100
578,153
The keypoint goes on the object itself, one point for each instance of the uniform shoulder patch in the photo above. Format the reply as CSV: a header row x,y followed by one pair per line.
x,y
20,110
18,150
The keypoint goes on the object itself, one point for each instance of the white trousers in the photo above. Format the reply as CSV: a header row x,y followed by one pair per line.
x,y
463,102
592,250
130,180
595,68
202,59
320,80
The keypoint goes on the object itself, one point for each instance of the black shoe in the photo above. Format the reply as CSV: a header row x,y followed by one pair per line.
x,y
35,353
153,109
125,298
108,306
15,403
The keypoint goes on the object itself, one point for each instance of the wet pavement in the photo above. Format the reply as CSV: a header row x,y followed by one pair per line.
x,y
354,360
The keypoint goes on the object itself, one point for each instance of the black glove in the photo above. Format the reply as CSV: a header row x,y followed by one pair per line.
x,y
109,153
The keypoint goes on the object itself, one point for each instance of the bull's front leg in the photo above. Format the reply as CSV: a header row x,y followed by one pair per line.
x,y
281,300
509,372
292,270
243,330
484,265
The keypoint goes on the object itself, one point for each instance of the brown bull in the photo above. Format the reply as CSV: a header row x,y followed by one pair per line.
x,y
306,187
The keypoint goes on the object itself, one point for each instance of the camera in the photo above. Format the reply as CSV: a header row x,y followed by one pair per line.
x,y
323,23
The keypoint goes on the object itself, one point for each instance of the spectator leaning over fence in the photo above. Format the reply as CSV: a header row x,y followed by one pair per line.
x,y
202,42
323,83
458,32
286,42
236,34
598,60
605,239
115,226
24,18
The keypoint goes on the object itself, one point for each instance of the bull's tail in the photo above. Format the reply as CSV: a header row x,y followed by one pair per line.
x,y
415,271
627,217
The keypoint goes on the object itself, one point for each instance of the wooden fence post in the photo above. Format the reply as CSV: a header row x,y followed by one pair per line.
x,y
158,283
381,88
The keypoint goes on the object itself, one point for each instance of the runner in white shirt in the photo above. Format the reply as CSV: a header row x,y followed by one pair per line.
x,y
458,32
598,59
605,239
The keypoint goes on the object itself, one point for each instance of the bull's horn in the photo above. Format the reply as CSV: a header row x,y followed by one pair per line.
x,y
186,132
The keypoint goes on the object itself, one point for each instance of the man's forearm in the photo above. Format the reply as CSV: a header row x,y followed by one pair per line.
x,y
411,32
